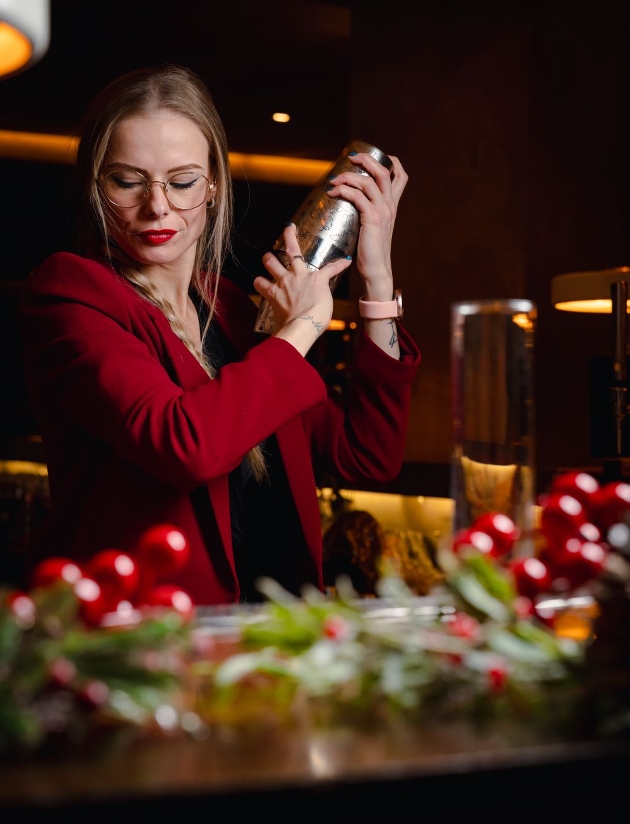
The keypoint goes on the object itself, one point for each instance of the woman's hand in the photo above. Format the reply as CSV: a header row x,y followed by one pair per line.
x,y
376,196
300,297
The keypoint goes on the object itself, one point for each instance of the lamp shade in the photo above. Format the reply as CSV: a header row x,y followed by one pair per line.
x,y
587,291
24,34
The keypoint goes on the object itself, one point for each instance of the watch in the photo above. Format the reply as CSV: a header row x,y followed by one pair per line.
x,y
379,309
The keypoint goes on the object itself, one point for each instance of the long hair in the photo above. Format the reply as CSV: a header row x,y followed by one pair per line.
x,y
144,91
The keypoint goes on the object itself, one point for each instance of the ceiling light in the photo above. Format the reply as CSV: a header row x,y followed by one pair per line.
x,y
24,34
281,117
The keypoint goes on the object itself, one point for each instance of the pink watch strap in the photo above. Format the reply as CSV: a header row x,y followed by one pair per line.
x,y
379,309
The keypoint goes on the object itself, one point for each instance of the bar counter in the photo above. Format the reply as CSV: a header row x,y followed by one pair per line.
x,y
499,772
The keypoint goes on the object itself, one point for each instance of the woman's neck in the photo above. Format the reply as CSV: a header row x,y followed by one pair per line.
x,y
173,286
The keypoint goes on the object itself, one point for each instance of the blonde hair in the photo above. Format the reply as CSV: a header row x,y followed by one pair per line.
x,y
147,90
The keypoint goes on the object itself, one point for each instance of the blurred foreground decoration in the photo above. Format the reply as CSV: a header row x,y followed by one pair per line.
x,y
545,643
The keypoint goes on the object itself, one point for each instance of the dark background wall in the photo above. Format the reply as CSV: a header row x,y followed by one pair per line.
x,y
511,120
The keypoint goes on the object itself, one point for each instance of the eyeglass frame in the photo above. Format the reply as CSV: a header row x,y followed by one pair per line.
x,y
149,183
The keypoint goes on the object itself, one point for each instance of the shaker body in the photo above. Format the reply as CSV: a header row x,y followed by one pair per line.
x,y
327,228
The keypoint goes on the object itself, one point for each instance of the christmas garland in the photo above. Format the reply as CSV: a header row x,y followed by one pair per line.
x,y
111,644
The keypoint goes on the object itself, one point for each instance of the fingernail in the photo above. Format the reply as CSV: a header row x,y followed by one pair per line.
x,y
334,177
328,188
351,154
348,257
289,223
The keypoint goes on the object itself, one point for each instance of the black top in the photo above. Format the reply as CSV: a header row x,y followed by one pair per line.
x,y
256,509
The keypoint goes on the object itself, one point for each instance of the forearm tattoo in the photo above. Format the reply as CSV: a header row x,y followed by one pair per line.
x,y
394,336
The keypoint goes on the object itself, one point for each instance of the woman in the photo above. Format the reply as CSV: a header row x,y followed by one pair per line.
x,y
156,400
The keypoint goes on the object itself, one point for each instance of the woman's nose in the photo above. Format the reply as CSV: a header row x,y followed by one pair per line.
x,y
156,201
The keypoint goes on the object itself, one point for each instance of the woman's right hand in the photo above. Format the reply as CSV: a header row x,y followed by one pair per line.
x,y
300,297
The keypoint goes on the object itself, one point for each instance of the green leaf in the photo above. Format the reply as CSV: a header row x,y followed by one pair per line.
x,y
474,593
493,577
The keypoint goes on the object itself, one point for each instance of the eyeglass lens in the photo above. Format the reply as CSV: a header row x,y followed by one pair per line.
x,y
126,188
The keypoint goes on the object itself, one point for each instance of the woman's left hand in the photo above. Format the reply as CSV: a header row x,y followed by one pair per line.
x,y
376,196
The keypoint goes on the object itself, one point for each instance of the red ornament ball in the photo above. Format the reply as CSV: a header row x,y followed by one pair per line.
x,y
561,518
475,539
117,574
164,550
22,607
611,504
580,485
501,528
54,569
171,597
531,576
92,605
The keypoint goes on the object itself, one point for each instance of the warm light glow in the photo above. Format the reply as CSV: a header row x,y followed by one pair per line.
x,y
598,306
587,291
58,148
277,169
337,325
15,49
24,34
524,321
46,148
23,468
281,117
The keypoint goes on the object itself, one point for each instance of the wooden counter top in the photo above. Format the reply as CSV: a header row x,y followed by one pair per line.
x,y
504,773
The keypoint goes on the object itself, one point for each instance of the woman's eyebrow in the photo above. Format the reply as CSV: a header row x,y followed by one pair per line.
x,y
173,170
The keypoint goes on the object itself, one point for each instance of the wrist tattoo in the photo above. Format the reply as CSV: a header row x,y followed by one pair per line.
x,y
319,326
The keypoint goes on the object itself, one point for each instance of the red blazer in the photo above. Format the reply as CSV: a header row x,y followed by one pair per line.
x,y
131,423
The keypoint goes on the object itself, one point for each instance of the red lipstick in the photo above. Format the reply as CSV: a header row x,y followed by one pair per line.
x,y
157,236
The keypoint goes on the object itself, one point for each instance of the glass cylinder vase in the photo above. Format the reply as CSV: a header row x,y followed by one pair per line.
x,y
492,369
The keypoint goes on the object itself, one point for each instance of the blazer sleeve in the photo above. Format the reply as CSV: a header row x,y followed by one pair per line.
x,y
363,438
100,358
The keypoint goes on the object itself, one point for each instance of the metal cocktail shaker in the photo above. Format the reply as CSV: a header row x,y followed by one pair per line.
x,y
327,227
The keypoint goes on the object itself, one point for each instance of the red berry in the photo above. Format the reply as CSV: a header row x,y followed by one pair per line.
x,y
497,678
22,607
585,562
610,504
561,518
579,485
531,576
589,532
500,528
163,550
62,672
92,694
116,573
92,605
465,626
336,628
171,597
474,539
523,606
53,569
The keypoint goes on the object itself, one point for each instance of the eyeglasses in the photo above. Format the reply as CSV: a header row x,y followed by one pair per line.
x,y
126,188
